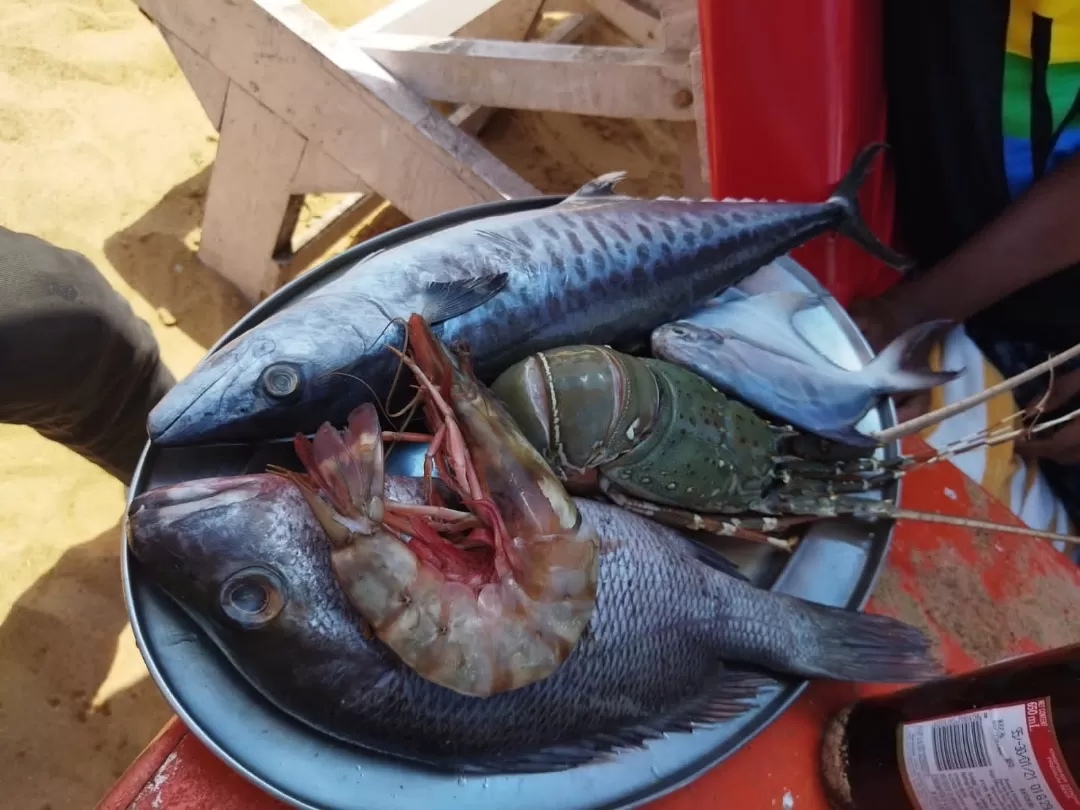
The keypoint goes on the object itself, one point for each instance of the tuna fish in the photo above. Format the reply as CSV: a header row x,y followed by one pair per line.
x,y
749,347
677,638
597,267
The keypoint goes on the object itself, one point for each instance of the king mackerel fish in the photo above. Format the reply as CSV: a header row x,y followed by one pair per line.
x,y
598,267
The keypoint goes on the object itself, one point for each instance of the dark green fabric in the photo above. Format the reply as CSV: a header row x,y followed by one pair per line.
x,y
76,364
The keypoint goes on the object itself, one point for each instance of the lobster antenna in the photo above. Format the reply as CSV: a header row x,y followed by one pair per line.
x,y
1004,435
1001,431
920,422
983,438
899,513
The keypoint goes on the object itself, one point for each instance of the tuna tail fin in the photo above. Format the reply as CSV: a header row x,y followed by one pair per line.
x,y
853,225
889,373
848,645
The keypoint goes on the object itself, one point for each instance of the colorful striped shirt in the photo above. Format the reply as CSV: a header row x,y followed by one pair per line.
x,y
982,99
1041,88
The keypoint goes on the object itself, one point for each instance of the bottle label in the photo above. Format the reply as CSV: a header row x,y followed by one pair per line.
x,y
995,758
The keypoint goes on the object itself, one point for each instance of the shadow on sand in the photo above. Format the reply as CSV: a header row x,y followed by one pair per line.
x,y
152,256
57,749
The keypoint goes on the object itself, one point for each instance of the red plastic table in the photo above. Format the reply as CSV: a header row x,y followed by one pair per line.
x,y
981,595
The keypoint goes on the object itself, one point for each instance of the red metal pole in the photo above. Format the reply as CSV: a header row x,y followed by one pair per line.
x,y
793,90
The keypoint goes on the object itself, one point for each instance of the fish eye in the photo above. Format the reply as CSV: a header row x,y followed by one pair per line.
x,y
252,597
281,380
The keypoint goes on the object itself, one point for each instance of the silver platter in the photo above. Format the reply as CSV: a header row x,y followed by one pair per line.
x,y
836,564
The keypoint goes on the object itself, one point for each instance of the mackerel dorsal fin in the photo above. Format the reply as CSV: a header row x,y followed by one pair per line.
x,y
597,188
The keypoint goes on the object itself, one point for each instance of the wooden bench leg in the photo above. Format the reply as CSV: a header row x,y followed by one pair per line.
x,y
250,214
693,137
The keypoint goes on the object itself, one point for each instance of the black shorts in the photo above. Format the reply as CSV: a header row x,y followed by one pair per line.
x,y
76,364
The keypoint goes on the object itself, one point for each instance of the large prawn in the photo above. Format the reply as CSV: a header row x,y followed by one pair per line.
x,y
479,599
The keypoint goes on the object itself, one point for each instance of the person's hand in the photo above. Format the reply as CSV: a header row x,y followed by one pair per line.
x,y
872,317
881,320
1059,444
886,316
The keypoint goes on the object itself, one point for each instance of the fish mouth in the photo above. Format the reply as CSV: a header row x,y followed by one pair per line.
x,y
167,526
198,407
176,501
665,337
161,513
174,420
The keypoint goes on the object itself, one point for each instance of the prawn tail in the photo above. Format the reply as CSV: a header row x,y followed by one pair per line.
x,y
347,467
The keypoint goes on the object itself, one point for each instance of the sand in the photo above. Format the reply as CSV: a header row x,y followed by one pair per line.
x,y
105,149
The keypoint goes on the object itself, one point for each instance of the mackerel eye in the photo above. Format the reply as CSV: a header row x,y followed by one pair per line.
x,y
281,380
252,597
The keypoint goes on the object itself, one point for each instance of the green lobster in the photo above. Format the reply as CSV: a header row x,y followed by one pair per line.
x,y
660,440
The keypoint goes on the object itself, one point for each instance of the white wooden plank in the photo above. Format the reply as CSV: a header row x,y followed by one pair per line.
x,y
249,194
695,183
209,83
471,117
678,23
508,19
570,28
587,80
335,224
637,21
436,18
300,67
692,137
320,172
697,83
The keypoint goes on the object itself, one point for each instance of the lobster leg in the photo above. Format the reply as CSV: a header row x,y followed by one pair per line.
x,y
835,469
723,526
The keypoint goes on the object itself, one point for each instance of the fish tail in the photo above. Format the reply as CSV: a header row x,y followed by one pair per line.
x,y
853,225
890,373
849,645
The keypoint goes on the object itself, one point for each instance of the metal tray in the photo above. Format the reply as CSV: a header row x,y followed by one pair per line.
x,y
836,564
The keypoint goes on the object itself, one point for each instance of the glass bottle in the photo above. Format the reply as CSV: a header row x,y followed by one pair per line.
x,y
1004,737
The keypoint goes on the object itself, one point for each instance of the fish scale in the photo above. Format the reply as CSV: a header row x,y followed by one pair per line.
x,y
668,613
597,267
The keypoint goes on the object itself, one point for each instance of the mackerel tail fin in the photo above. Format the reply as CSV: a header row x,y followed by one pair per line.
x,y
853,225
889,372
848,645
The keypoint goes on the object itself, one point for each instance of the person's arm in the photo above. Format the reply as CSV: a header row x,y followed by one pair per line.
x,y
1034,237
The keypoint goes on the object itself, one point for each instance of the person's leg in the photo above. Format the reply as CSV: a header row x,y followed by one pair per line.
x,y
76,364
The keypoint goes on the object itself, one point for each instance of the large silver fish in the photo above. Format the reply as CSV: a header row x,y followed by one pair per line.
x,y
248,559
596,268
749,346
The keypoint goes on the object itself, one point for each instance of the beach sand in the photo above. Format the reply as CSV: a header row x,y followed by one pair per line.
x,y
105,149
